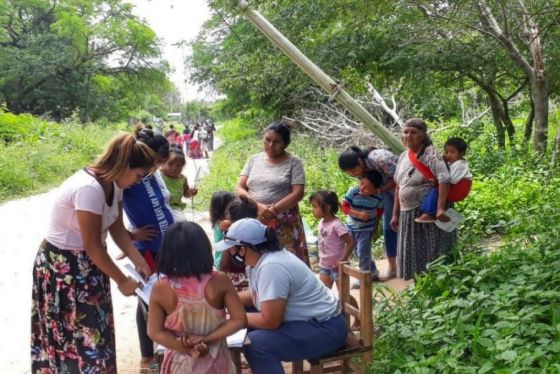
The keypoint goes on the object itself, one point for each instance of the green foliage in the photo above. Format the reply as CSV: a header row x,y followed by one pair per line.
x,y
487,313
94,58
43,154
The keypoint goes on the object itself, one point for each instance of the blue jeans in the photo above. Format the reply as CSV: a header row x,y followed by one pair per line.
x,y
362,250
429,205
293,341
389,235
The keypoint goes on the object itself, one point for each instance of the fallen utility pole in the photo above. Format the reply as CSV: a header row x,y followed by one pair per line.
x,y
321,78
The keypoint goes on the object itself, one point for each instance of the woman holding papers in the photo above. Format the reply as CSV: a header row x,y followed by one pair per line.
x,y
296,317
72,329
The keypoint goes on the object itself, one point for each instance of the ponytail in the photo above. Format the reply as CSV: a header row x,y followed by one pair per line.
x,y
351,157
123,152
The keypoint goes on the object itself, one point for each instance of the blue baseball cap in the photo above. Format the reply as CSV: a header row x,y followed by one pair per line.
x,y
246,231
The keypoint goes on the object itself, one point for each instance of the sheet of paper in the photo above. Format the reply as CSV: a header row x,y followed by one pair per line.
x,y
146,289
237,340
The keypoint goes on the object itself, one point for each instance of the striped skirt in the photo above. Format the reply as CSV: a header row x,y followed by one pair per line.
x,y
418,244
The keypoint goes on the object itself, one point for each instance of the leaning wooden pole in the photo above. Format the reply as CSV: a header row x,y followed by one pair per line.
x,y
320,77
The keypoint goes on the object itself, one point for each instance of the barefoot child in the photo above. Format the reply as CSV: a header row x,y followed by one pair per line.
x,y
363,206
454,153
188,305
335,241
176,182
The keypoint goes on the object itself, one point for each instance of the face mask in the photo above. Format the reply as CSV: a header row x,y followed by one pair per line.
x,y
238,260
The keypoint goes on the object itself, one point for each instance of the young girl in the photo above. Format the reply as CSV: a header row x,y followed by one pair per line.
x,y
218,205
176,182
188,305
335,241
362,204
239,208
461,180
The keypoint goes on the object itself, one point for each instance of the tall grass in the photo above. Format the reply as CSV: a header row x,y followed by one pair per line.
x,y
41,154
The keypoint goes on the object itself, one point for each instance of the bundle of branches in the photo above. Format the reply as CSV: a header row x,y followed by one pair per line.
x,y
336,127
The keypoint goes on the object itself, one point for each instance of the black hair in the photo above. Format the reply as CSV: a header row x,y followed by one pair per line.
x,y
351,157
156,142
458,143
176,151
241,207
374,177
185,252
218,205
326,198
280,128
271,244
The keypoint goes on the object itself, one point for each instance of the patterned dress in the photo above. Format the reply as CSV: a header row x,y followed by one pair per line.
x,y
418,244
194,315
72,328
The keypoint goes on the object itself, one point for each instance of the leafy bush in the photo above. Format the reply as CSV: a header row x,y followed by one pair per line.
x,y
493,312
43,154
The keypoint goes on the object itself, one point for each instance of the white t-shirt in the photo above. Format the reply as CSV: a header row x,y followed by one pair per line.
x,y
281,275
80,192
459,170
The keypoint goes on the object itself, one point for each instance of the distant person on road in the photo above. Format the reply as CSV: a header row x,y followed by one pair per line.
x,y
171,135
72,326
210,129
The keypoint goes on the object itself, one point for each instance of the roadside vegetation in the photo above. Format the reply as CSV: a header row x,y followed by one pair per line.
x,y
37,155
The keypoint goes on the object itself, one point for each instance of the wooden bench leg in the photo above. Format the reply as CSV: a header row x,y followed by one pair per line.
x,y
236,358
297,367
317,369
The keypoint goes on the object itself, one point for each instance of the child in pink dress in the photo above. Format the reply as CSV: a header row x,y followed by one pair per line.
x,y
188,305
335,241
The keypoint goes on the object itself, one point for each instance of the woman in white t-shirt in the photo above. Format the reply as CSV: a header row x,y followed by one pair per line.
x,y
72,329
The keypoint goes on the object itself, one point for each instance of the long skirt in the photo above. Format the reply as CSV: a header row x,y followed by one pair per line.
x,y
418,244
72,329
290,232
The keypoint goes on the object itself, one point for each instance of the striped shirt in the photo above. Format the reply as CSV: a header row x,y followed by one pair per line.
x,y
364,203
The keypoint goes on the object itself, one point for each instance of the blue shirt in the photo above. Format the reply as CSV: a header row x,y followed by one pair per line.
x,y
364,203
144,204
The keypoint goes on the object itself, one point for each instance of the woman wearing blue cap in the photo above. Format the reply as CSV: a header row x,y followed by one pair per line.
x,y
297,316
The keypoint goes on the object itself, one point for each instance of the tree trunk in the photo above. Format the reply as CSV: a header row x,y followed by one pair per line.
x,y
508,123
535,70
529,124
539,94
496,106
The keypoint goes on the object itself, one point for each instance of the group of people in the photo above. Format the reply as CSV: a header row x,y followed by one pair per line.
x,y
196,140
259,276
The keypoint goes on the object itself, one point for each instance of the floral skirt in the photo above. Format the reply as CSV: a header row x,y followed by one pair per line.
x,y
72,329
290,232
